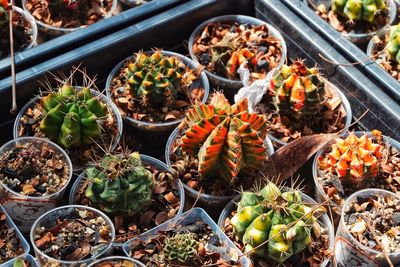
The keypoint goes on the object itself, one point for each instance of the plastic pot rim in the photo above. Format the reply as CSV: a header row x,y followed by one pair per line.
x,y
138,263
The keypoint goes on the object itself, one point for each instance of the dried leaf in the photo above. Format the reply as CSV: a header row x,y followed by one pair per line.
x,y
161,217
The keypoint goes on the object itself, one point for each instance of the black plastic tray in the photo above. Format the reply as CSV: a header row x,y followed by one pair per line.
x,y
77,38
353,53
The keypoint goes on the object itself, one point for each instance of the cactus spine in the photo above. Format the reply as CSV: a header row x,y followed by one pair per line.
x,y
180,248
225,138
393,46
359,10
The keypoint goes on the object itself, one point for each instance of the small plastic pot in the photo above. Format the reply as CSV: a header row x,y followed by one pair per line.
x,y
230,87
372,44
187,218
346,105
208,202
324,220
48,220
348,250
24,210
111,108
201,82
24,243
28,258
359,37
159,165
56,31
114,259
134,3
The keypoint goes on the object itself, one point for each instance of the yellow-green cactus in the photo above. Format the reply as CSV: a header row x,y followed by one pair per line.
x,y
180,248
393,46
359,10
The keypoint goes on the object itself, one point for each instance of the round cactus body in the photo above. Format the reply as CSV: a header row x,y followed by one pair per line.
x,y
359,10
180,248
393,46
119,184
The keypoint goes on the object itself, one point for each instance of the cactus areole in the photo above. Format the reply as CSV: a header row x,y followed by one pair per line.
x,y
275,225
72,117
119,185
226,139
359,10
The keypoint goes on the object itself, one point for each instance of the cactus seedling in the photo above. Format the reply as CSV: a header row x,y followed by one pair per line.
x,y
359,10
180,248
392,48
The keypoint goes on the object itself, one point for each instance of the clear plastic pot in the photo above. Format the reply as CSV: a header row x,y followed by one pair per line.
x,y
111,108
32,24
48,220
208,202
159,165
56,31
201,82
372,44
116,259
24,210
232,86
359,37
24,243
187,218
28,258
134,3
324,220
346,105
348,250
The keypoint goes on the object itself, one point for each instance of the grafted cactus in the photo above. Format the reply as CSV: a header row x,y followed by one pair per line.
x,y
274,225
297,91
393,46
72,117
359,10
226,139
119,184
180,248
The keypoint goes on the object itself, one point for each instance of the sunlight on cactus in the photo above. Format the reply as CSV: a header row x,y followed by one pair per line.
x,y
359,10
180,248
393,46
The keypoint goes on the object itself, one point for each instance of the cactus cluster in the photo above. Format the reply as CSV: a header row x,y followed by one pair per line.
x,y
297,91
359,10
393,46
226,139
72,117
274,225
180,248
156,79
355,160
119,184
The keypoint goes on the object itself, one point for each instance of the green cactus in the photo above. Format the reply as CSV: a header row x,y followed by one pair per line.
x,y
393,46
156,79
180,248
72,117
359,10
272,224
119,184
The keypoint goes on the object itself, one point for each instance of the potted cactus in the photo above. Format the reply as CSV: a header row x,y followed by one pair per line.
x,y
218,149
300,102
24,261
354,162
117,261
357,20
79,119
24,29
277,228
193,240
63,16
136,191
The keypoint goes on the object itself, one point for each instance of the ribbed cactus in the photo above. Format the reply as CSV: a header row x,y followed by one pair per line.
x,y
226,139
156,79
180,248
359,10
355,160
274,225
119,184
393,46
72,117
297,91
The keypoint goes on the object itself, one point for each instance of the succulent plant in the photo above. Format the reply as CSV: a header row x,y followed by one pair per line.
x,y
359,10
226,139
72,116
297,91
157,79
119,184
355,160
274,225
393,46
4,18
180,248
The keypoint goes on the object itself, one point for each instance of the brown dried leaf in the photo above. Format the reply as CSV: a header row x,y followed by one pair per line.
x,y
161,187
145,220
334,21
161,217
171,198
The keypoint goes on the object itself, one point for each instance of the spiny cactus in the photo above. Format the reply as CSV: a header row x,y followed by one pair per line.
x,y
297,91
393,46
359,10
156,79
119,184
225,138
355,160
274,225
72,116
180,248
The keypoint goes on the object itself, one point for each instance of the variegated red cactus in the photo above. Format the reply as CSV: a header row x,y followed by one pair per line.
x,y
226,139
354,159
